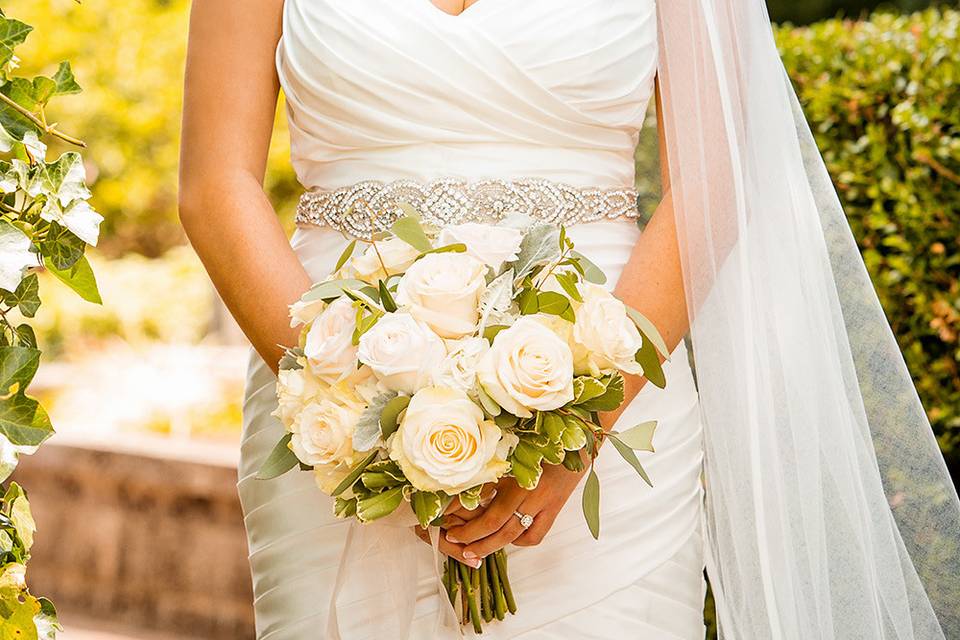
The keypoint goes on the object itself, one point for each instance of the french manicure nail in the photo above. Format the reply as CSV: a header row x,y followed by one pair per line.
x,y
476,564
450,538
469,555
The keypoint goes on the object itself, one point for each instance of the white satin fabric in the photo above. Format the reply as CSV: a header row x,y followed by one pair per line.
x,y
390,89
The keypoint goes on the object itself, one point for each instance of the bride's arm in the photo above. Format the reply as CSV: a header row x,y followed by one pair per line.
x,y
652,283
230,99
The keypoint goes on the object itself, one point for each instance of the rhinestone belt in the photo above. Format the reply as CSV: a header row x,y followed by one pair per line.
x,y
371,206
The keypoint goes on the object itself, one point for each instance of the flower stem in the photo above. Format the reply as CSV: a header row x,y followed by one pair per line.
x,y
501,557
499,602
467,579
485,591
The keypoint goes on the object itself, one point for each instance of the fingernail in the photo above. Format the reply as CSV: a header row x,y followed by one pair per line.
x,y
450,538
476,564
469,555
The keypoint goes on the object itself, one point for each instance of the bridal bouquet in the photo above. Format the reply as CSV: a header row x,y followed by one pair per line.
x,y
435,361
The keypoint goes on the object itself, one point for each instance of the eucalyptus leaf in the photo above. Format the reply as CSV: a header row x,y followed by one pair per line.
x,y
648,358
410,231
591,503
347,253
639,437
331,289
649,331
591,272
628,454
568,282
386,299
280,460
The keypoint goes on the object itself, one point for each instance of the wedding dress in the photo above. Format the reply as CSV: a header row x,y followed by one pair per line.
x,y
551,90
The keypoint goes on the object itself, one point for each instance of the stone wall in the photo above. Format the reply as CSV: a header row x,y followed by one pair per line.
x,y
149,541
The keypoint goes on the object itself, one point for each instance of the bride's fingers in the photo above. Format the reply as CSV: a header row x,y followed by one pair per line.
x,y
509,532
447,548
491,520
538,530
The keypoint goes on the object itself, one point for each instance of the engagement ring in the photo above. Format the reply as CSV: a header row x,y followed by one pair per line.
x,y
526,520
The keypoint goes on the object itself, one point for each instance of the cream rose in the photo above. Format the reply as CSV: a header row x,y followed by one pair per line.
x,y
296,388
323,433
394,254
444,442
527,368
305,312
329,344
402,352
459,369
443,290
490,244
608,339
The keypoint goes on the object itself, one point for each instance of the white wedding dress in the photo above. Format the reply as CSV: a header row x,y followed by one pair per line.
x,y
554,89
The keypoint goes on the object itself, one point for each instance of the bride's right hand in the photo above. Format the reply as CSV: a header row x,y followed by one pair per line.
x,y
454,516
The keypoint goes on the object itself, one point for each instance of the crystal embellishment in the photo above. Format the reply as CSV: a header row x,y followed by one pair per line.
x,y
371,206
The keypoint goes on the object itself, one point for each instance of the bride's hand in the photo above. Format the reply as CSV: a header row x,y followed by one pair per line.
x,y
453,517
488,530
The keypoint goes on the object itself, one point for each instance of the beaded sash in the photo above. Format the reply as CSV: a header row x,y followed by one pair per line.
x,y
371,206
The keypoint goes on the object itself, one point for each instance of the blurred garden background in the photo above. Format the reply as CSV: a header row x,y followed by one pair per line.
x,y
159,367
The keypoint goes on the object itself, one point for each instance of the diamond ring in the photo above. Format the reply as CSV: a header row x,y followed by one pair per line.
x,y
526,520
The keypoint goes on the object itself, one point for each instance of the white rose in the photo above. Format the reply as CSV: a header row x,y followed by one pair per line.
x,y
527,368
491,244
323,433
296,388
394,254
443,290
608,338
402,352
329,476
459,369
444,443
329,345
302,312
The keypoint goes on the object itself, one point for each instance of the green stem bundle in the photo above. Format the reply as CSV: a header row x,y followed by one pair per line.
x,y
483,593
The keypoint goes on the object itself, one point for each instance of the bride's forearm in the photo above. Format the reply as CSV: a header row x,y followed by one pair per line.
x,y
652,283
245,250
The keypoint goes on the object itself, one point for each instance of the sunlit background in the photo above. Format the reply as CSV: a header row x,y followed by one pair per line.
x,y
145,390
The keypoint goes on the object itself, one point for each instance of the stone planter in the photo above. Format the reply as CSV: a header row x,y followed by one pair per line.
x,y
145,533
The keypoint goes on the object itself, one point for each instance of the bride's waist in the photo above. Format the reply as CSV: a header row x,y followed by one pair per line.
x,y
365,207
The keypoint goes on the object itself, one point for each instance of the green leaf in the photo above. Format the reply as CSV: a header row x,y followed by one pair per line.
x,y
26,336
409,230
470,499
539,246
555,304
428,506
26,297
18,365
526,464
506,420
573,437
347,252
12,34
569,284
23,521
331,289
354,474
591,272
386,299
280,460
367,431
649,331
587,388
611,398
591,503
344,507
489,404
79,277
64,81
490,333
573,461
639,437
389,417
630,457
456,247
529,303
379,505
649,360
61,247
23,421
552,426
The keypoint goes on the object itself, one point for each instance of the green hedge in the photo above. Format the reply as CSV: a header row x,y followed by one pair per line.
x,y
884,102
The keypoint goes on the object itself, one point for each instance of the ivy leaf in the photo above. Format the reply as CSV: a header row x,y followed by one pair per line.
x,y
428,506
26,336
26,297
23,521
61,247
18,365
23,421
280,460
639,437
379,504
12,34
79,277
64,81
591,504
631,457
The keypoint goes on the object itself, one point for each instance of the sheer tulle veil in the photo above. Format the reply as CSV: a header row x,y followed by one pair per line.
x,y
830,512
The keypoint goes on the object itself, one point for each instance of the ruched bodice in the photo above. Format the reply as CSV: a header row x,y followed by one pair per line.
x,y
398,89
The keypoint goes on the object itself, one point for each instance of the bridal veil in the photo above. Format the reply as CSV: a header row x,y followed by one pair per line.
x,y
830,512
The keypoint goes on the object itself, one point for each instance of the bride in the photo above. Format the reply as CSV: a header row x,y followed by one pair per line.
x,y
800,468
